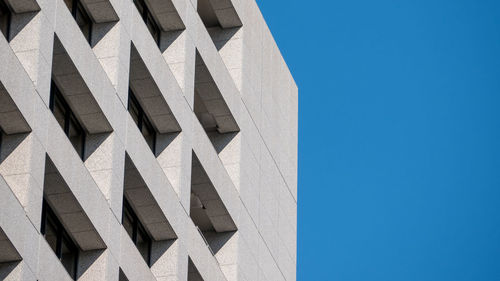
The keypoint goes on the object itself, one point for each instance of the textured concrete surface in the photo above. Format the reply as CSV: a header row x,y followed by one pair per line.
x,y
218,196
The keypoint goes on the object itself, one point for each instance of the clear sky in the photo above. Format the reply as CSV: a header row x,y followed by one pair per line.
x,y
399,138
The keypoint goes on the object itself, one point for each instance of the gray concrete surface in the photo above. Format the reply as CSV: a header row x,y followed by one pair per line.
x,y
219,196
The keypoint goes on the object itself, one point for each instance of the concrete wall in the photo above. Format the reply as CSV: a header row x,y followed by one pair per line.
x,y
247,150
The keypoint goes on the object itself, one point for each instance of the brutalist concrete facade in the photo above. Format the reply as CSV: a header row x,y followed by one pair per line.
x,y
207,167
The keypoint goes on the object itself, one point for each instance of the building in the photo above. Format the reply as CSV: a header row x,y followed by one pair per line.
x,y
145,140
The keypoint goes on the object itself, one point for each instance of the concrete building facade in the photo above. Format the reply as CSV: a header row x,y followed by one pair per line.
x,y
145,140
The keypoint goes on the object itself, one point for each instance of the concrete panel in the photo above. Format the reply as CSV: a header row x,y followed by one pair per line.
x,y
144,204
150,97
166,14
76,93
100,11
69,211
23,6
217,86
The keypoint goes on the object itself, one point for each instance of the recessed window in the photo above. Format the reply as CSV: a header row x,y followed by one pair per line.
x,y
136,231
59,241
148,20
5,19
121,276
142,120
67,119
81,16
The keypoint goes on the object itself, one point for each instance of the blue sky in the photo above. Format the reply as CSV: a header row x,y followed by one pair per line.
x,y
399,138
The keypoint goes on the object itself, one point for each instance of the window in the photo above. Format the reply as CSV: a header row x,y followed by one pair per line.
x,y
5,19
67,119
81,16
136,231
1,137
121,276
141,120
59,240
148,20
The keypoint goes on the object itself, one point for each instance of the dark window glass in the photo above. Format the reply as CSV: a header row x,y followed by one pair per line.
x,y
51,235
76,135
1,136
59,112
140,6
143,244
148,20
153,27
142,121
59,240
84,22
81,16
128,222
67,119
149,133
5,19
136,231
134,110
69,255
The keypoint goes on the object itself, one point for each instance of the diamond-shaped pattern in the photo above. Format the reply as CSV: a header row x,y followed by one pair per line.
x,y
217,195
